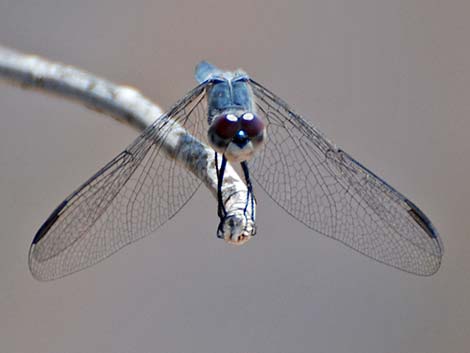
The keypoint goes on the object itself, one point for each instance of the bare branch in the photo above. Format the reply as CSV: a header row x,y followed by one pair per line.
x,y
127,105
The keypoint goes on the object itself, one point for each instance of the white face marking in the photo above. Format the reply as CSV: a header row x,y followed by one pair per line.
x,y
248,116
232,117
236,154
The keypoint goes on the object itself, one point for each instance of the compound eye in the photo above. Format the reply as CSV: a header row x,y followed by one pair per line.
x,y
252,124
225,126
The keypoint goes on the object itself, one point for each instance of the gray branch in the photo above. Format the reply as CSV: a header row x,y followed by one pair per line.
x,y
127,105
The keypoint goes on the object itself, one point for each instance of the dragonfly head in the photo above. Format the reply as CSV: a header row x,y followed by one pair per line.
x,y
237,135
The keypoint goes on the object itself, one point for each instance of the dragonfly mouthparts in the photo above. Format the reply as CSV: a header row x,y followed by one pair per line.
x,y
241,138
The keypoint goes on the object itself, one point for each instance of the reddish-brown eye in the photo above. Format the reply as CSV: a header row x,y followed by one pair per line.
x,y
251,124
225,126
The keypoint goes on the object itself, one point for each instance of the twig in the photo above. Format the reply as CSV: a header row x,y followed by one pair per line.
x,y
127,105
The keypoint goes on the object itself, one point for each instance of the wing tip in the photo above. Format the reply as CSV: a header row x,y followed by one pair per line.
x,y
49,223
418,216
423,221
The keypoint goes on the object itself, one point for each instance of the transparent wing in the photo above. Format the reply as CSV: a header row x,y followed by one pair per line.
x,y
131,196
330,192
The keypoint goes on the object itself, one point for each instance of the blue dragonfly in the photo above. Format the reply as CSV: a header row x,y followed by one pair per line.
x,y
307,175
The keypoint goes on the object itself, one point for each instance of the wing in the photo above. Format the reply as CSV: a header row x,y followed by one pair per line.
x,y
333,194
130,197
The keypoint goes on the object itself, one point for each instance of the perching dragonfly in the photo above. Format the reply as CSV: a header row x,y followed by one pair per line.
x,y
302,171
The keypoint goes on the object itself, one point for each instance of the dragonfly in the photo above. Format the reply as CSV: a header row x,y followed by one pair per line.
x,y
306,174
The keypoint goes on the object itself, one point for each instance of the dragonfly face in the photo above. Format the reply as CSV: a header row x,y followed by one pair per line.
x,y
235,130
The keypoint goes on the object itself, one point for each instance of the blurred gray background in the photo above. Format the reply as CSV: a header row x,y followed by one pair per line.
x,y
386,80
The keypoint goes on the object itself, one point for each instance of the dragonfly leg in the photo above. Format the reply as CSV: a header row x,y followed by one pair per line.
x,y
250,197
232,228
221,211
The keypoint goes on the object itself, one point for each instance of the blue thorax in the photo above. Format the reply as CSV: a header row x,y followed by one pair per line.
x,y
228,92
